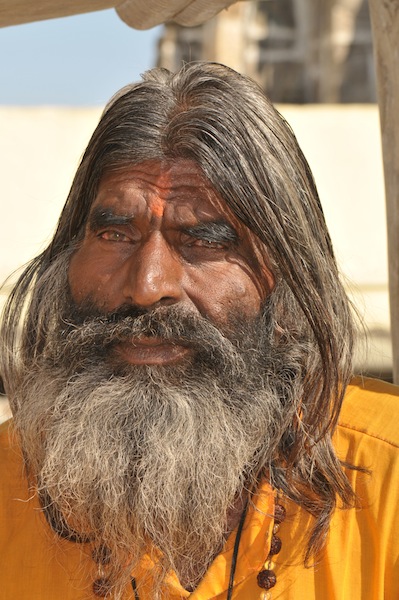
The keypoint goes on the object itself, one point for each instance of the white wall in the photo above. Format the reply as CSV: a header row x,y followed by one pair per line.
x,y
40,149
342,144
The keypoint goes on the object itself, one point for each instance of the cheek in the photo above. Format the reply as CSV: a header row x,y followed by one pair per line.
x,y
77,278
87,277
226,292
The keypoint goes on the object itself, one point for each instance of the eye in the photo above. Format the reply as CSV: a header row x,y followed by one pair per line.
x,y
112,235
208,244
204,242
217,236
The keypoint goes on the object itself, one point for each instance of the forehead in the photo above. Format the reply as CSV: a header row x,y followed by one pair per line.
x,y
171,189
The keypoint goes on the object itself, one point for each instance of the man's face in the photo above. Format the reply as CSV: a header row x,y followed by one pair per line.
x,y
158,235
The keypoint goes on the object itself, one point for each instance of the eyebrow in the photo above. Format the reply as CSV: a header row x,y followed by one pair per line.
x,y
213,231
105,217
210,231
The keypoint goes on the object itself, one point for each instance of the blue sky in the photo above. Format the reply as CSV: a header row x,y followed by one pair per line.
x,y
79,60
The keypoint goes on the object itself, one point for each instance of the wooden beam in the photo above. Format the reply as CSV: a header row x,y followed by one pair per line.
x,y
385,25
140,14
16,12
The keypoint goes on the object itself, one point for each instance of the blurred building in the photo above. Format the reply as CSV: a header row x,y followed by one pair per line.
x,y
299,51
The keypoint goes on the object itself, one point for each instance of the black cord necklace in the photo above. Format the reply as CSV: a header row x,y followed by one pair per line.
x,y
235,552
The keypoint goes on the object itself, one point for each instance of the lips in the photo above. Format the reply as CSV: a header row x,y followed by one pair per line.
x,y
151,351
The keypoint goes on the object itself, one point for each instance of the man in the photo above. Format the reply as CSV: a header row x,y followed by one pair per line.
x,y
178,377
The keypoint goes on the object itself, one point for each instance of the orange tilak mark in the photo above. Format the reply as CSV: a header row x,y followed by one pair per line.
x,y
158,207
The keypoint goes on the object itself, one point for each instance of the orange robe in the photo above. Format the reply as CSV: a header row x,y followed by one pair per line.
x,y
360,560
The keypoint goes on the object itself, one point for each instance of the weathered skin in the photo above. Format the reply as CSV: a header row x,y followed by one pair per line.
x,y
138,249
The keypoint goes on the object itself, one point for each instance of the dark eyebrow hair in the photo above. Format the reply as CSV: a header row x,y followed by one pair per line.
x,y
210,231
104,217
213,231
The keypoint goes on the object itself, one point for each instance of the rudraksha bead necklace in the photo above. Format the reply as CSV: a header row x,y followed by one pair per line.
x,y
267,577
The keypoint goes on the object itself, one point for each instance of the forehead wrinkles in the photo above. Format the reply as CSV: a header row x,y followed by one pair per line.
x,y
163,176
181,191
194,203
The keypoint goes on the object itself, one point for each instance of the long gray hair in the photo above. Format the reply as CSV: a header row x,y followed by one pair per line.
x,y
221,120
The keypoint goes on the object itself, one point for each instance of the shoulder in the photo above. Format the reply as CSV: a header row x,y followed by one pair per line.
x,y
371,408
367,435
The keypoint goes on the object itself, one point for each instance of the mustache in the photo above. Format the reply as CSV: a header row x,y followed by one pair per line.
x,y
169,323
89,332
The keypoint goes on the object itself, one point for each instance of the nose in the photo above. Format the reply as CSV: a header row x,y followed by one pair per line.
x,y
154,274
